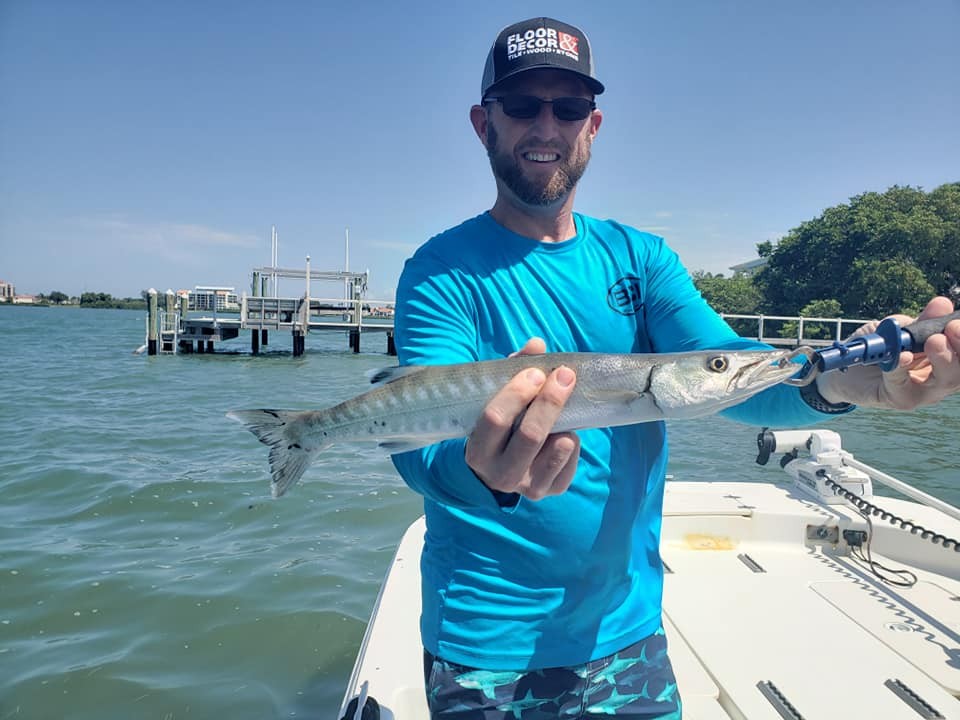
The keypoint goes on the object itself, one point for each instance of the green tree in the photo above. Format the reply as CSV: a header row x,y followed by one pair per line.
x,y
58,297
881,253
95,299
815,330
886,286
105,300
944,269
736,294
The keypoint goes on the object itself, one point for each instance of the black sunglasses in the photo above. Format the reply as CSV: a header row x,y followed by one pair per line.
x,y
527,107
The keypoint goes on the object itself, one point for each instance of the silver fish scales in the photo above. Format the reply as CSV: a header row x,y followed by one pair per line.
x,y
415,406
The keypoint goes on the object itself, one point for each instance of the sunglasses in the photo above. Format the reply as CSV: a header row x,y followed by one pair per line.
x,y
527,107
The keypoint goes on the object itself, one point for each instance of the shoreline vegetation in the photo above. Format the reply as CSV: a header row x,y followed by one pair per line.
x,y
86,300
879,254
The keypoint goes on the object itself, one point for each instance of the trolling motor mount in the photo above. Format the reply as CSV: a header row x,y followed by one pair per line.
x,y
823,463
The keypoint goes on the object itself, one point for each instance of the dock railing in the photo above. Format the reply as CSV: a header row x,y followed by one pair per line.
x,y
303,314
269,313
792,331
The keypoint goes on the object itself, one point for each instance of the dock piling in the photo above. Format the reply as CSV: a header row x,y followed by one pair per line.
x,y
171,328
170,325
153,318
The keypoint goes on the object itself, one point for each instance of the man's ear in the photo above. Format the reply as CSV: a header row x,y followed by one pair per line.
x,y
596,117
479,120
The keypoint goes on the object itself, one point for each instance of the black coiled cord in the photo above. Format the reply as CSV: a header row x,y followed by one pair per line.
x,y
901,578
866,509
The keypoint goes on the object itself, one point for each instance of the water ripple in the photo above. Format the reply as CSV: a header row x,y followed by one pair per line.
x,y
146,572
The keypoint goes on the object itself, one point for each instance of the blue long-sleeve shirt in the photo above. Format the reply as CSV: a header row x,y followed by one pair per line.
x,y
577,576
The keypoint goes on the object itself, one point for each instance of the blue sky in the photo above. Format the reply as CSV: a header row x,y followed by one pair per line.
x,y
154,144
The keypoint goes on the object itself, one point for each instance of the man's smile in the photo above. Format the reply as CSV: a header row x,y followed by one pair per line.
x,y
540,157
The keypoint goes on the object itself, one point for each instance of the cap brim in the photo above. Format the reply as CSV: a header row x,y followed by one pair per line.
x,y
594,85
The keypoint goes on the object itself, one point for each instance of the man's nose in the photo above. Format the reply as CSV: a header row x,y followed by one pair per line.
x,y
545,118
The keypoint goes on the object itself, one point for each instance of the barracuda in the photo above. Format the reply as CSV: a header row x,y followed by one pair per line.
x,y
415,406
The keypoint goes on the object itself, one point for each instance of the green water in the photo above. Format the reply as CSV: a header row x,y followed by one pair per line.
x,y
146,573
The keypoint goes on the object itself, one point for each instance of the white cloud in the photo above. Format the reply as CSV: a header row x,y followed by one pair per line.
x,y
119,254
165,238
404,247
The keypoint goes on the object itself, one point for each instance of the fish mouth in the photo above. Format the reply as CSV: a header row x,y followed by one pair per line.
x,y
773,368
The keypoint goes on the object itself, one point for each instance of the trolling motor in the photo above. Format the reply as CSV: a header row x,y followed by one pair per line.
x,y
882,348
821,470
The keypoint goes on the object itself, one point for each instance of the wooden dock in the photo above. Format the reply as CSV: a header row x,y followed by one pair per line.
x,y
180,331
175,327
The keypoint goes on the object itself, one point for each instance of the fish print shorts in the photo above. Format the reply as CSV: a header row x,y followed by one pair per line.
x,y
637,682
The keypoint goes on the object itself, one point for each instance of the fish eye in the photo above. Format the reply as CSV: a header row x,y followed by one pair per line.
x,y
718,363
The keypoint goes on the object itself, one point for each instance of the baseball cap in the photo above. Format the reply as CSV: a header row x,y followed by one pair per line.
x,y
539,43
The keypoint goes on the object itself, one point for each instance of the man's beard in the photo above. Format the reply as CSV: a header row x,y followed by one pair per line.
x,y
538,193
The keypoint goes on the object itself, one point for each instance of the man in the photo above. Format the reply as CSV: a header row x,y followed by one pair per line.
x,y
541,574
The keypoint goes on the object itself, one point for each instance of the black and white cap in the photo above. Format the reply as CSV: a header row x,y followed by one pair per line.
x,y
539,43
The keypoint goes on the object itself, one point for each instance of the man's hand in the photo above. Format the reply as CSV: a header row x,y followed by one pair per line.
x,y
526,458
922,378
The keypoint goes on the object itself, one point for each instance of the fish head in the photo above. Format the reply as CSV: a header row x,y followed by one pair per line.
x,y
704,382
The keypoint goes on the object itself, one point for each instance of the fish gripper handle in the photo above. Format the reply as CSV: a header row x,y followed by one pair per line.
x,y
912,337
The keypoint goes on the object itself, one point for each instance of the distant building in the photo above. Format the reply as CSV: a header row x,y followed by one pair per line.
x,y
211,298
7,291
24,299
748,268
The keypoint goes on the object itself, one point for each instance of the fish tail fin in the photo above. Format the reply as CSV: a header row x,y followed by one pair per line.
x,y
288,458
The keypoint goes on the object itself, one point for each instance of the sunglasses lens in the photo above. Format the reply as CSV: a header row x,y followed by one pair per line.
x,y
523,107
572,108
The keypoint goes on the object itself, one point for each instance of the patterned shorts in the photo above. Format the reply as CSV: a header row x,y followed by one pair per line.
x,y
637,682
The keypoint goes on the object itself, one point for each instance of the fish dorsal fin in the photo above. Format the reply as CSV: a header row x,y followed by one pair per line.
x,y
383,376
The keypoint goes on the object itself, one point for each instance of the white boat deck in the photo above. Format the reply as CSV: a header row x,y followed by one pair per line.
x,y
761,622
828,635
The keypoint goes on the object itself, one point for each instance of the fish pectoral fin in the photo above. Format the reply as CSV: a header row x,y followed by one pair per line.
x,y
387,375
613,397
398,446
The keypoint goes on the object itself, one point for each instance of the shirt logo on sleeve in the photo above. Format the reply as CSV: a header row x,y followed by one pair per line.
x,y
624,295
